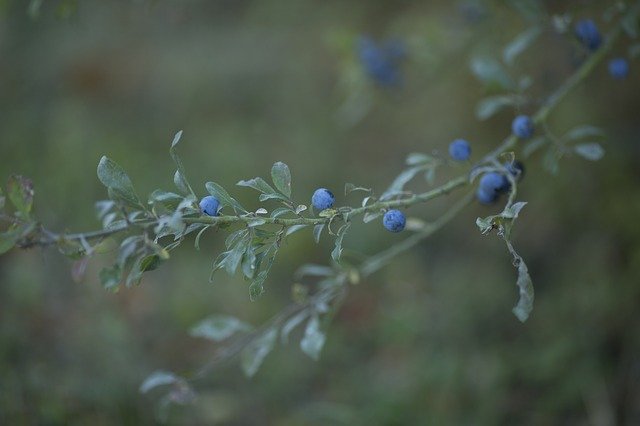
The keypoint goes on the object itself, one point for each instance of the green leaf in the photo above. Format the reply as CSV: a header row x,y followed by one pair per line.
x,y
219,327
110,277
8,241
337,250
397,186
158,378
317,232
513,211
180,177
520,44
583,131
20,192
418,158
254,353
490,72
280,211
314,270
294,228
198,236
117,182
249,263
313,340
258,184
489,106
349,188
168,199
292,323
224,198
281,177
525,287
256,288
233,259
589,151
533,145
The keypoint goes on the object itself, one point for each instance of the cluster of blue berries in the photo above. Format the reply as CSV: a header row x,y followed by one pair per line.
x,y
494,184
393,220
382,62
588,34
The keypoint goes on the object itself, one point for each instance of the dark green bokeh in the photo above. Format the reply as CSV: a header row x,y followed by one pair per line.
x,y
430,339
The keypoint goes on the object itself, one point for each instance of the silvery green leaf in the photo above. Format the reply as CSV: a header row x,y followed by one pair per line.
x,y
520,44
224,198
295,228
489,106
589,151
292,323
281,177
117,181
158,378
254,353
313,340
490,72
397,186
317,232
525,287
219,327
583,131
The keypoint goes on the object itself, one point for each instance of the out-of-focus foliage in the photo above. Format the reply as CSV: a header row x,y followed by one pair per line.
x,y
430,339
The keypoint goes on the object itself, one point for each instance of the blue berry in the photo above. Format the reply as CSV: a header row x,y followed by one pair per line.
x,y
394,220
459,150
494,182
486,197
588,34
322,199
522,126
210,205
618,68
381,63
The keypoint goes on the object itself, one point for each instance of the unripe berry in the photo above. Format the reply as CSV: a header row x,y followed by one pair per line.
x,y
588,34
460,150
618,68
322,199
522,126
210,205
394,220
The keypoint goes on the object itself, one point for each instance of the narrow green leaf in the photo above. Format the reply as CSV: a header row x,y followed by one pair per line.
x,y
180,176
158,378
254,353
219,327
583,131
520,44
589,151
249,263
525,288
20,192
490,72
198,236
280,211
292,323
349,188
314,270
224,198
313,340
317,232
256,288
281,177
258,184
176,139
337,250
234,257
418,158
110,277
294,228
397,186
491,105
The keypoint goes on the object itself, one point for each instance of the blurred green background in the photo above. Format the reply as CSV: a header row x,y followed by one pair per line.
x,y
428,340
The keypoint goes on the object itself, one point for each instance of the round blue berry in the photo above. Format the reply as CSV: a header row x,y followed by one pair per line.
x,y
516,169
322,199
394,220
588,34
522,126
494,182
486,197
460,150
619,68
210,205
381,63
